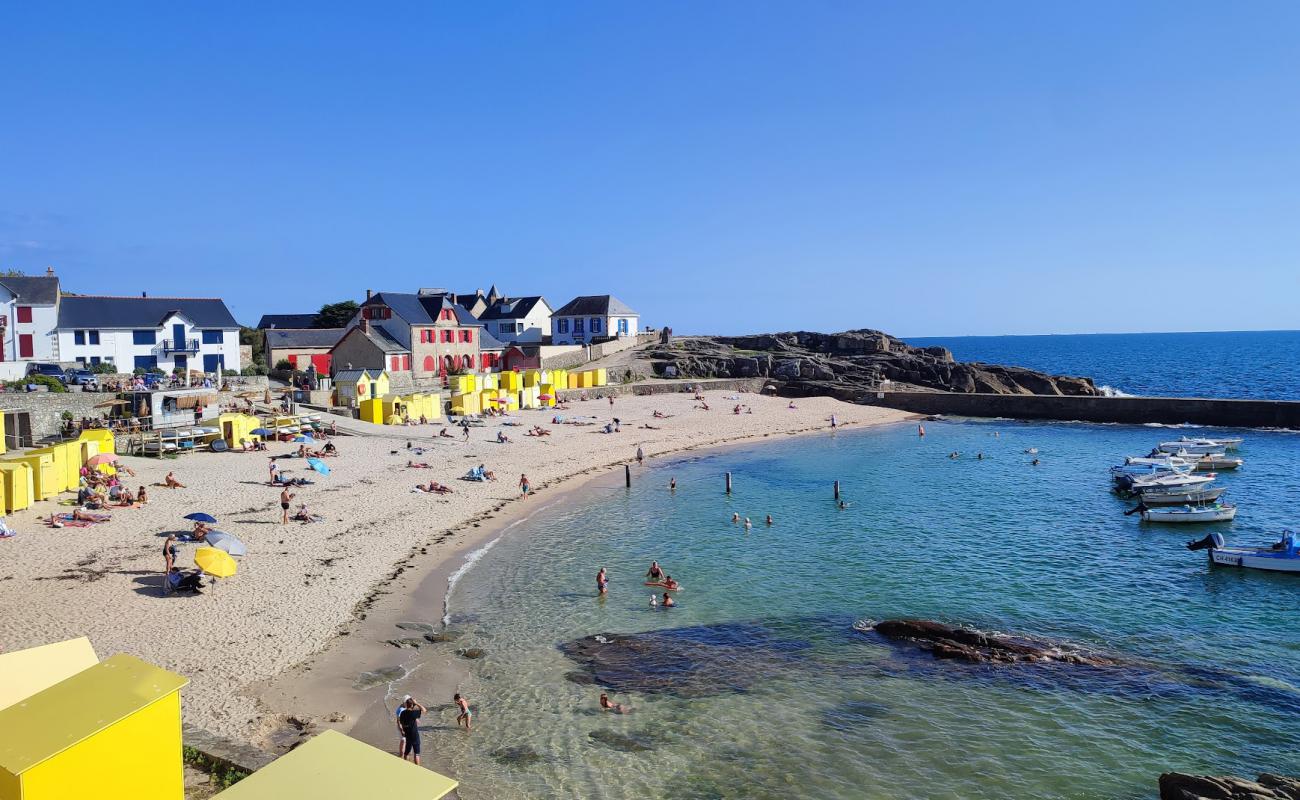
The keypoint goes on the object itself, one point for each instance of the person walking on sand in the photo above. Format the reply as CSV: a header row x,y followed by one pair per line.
x,y
640,455
465,714
285,498
408,719
523,486
602,582
835,423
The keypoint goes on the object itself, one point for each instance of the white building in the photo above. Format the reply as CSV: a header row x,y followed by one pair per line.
x,y
29,310
518,320
145,332
593,318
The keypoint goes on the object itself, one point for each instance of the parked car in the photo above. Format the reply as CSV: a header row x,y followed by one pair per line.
x,y
39,368
79,377
152,379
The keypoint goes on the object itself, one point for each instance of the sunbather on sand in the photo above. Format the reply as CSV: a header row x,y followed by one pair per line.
x,y
171,483
414,465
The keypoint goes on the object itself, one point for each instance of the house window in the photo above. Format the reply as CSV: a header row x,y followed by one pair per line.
x,y
447,336
396,363
92,337
595,324
563,326
94,360
622,326
469,362
406,363
445,315
212,337
144,337
577,326
24,313
78,337
146,362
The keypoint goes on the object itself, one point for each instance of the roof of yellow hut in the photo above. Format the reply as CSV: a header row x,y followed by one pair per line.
x,y
72,710
333,766
27,672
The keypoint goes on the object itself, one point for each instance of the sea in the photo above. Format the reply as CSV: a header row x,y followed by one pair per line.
x,y
764,681
1262,365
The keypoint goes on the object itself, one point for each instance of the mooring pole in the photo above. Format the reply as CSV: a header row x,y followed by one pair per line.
x,y
837,490
627,474
728,483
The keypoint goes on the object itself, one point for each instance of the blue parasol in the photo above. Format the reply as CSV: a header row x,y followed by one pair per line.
x,y
263,432
318,465
199,516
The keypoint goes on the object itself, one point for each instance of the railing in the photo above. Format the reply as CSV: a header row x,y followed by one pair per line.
x,y
173,346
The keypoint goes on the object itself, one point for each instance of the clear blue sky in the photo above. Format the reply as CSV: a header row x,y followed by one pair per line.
x,y
925,168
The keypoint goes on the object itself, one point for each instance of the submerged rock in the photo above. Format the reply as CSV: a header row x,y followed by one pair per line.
x,y
697,661
516,756
1180,786
417,627
951,642
444,636
410,642
580,678
471,652
368,680
618,741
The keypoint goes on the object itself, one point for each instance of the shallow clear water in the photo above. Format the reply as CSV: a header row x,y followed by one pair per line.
x,y
1263,365
833,713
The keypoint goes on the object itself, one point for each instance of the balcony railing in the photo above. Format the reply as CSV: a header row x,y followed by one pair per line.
x,y
168,346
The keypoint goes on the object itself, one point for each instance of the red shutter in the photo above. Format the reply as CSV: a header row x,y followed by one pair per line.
x,y
25,315
429,364
406,363
25,339
469,335
395,362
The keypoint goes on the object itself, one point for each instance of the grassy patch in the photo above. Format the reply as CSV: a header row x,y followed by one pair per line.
x,y
222,775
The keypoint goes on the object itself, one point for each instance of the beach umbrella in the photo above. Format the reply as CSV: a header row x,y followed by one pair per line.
x,y
199,516
102,458
263,432
224,541
318,465
111,403
216,563
544,397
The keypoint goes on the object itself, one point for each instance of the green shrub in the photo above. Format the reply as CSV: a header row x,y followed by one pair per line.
x,y
283,364
104,368
53,383
222,776
255,369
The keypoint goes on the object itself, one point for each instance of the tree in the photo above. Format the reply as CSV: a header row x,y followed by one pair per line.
x,y
335,315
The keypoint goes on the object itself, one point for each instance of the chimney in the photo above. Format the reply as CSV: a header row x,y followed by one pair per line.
x,y
49,272
144,294
367,294
365,325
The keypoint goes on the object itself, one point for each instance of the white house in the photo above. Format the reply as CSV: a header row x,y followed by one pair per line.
x,y
29,309
592,318
518,320
144,332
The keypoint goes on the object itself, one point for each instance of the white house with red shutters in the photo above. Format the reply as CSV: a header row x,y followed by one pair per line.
x,y
29,313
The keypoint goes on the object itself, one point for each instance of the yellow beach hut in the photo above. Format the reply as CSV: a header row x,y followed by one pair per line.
x,y
238,428
61,457
371,410
111,731
17,480
333,766
45,479
27,672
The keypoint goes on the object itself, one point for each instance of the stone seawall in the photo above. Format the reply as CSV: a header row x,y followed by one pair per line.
x,y
1128,410
665,387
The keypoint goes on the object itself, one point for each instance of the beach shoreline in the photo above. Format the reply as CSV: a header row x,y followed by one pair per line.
x,y
306,593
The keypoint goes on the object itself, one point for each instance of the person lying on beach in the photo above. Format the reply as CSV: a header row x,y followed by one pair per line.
x,y
617,708
647,426
123,468
659,414
703,406
442,434
487,473
171,483
434,488
502,438
414,465
792,405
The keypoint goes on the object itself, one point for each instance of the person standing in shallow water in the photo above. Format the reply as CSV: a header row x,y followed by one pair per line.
x,y
602,582
408,723
640,455
465,715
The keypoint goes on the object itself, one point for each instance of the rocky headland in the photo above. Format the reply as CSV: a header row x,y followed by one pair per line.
x,y
847,365
1180,786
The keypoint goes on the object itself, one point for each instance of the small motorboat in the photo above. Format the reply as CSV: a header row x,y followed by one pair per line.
x,y
1183,497
1166,482
1145,466
1200,445
1284,556
1219,512
1213,462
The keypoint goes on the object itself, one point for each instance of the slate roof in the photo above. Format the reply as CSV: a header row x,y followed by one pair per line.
x,y
407,306
304,337
512,308
33,291
594,305
349,375
384,341
487,341
82,311
286,321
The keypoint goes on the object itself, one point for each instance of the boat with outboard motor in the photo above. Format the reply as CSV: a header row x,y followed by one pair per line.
x,y
1211,462
1140,466
1189,496
1165,482
1201,444
1217,512
1283,556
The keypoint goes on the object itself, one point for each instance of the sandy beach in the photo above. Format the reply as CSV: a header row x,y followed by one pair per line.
x,y
303,588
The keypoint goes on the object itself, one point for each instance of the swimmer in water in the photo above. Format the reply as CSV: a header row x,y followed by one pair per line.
x,y
655,573
735,517
748,525
672,484
1034,462
843,505
617,708
602,582
769,519
920,430
654,601
668,601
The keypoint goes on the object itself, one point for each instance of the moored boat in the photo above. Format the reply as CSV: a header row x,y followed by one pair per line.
x,y
1200,444
1143,466
1219,512
1165,482
1283,556
1190,496
1217,462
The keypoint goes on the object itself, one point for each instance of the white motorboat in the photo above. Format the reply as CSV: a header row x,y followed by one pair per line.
x,y
1200,445
1213,462
1140,466
1284,556
1182,497
1166,482
1219,512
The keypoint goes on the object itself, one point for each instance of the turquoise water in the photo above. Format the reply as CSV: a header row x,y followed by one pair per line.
x,y
805,706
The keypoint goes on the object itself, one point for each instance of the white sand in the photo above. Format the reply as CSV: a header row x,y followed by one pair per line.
x,y
301,584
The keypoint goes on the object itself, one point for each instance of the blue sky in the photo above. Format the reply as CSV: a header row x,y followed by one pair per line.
x,y
924,168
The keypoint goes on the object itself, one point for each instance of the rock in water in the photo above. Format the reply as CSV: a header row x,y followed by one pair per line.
x,y
1180,786
472,652
367,680
517,756
947,641
617,741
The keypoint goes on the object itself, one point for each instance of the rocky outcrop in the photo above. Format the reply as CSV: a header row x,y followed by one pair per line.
x,y
847,364
1180,786
963,644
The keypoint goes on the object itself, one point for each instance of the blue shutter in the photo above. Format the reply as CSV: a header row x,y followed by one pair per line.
x,y
211,361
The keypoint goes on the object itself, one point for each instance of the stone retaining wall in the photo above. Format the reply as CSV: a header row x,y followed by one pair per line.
x,y
582,356
665,387
1128,410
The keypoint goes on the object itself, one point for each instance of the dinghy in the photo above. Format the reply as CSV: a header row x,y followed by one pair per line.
x,y
1284,556
1219,512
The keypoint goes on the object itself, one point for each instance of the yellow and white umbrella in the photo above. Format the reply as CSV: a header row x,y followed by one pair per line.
x,y
214,562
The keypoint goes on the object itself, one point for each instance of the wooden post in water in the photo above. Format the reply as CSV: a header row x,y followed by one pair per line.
x,y
627,474
728,483
837,490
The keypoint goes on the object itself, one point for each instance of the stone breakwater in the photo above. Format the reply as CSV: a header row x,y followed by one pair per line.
x,y
847,365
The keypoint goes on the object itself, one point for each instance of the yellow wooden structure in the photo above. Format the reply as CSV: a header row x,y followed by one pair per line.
x,y
17,479
101,435
490,380
466,405
558,377
511,381
111,732
528,397
333,766
29,671
548,390
60,456
2,435
372,410
532,377
45,478
356,389
238,428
